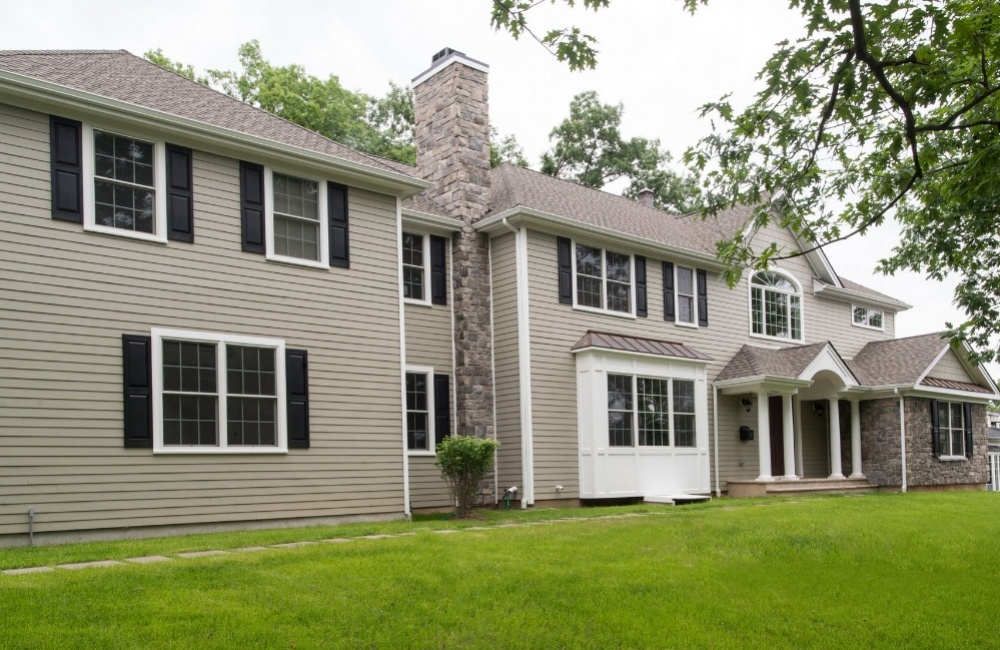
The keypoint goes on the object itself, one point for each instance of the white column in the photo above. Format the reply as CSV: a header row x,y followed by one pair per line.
x,y
788,436
763,436
798,436
836,471
856,439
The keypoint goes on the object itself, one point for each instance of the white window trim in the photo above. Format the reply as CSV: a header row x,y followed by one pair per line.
x,y
868,314
951,430
694,297
431,432
802,307
426,246
90,224
671,433
324,223
604,283
278,345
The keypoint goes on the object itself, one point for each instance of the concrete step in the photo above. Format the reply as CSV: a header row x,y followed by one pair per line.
x,y
676,499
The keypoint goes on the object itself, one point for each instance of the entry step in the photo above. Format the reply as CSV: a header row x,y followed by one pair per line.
x,y
676,499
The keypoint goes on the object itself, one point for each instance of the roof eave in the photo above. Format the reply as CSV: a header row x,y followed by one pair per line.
x,y
521,215
755,381
51,94
849,296
431,222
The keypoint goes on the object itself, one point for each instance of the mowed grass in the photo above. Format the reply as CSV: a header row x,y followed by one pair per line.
x,y
903,571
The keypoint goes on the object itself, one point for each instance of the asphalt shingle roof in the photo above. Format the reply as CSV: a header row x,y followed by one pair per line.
x,y
897,361
119,75
751,361
625,343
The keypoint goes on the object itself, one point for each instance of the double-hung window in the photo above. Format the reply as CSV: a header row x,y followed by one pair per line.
x,y
604,280
124,185
416,260
951,419
297,219
775,306
868,317
217,393
419,414
686,296
650,412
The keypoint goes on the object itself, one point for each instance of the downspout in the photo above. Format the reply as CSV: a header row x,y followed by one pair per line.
x,y
493,370
715,422
902,434
402,355
524,362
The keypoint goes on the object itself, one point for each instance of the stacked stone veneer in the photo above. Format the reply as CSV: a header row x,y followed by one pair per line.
x,y
451,112
881,455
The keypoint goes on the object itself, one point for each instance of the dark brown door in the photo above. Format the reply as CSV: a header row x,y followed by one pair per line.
x,y
777,436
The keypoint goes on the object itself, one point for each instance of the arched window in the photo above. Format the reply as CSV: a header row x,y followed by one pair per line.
x,y
775,306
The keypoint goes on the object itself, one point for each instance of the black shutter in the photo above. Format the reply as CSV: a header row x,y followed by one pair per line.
x,y
968,430
565,249
66,158
935,428
137,381
442,408
252,206
702,298
297,398
640,286
439,273
668,291
340,239
180,194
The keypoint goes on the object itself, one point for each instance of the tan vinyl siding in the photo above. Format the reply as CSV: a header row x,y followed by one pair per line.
x,y
555,328
67,296
506,362
429,330
950,368
427,488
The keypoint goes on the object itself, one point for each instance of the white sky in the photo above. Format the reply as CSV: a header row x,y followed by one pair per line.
x,y
660,62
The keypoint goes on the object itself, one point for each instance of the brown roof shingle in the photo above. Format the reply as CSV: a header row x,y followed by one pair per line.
x,y
119,75
751,361
638,345
897,361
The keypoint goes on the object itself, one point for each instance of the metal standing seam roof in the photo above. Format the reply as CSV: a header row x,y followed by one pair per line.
x,y
934,382
752,361
120,75
638,345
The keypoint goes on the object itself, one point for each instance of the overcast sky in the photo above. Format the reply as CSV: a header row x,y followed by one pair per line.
x,y
657,60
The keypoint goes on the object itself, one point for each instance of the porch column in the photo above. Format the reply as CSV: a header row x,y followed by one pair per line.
x,y
763,436
856,439
788,436
836,471
797,401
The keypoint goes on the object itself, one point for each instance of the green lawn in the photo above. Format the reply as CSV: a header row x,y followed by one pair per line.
x,y
907,571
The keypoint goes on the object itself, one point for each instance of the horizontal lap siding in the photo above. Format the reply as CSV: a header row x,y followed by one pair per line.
x,y
505,358
427,488
556,327
66,298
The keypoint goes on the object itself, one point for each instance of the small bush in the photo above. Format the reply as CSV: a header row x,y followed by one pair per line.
x,y
464,462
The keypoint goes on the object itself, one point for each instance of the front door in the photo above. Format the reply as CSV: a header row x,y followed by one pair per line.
x,y
777,436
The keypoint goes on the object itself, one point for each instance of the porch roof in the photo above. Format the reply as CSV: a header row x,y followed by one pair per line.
x,y
787,363
897,361
636,345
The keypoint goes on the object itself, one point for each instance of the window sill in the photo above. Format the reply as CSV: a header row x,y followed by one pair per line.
x,y
690,325
605,312
419,453
868,327
214,451
418,303
294,261
777,339
126,234
953,459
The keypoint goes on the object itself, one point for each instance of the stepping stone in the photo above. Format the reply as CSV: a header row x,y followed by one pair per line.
x,y
375,536
446,532
402,535
193,554
292,544
250,549
88,565
149,559
32,569
336,540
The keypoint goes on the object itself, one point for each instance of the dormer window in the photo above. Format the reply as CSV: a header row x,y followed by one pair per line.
x,y
775,306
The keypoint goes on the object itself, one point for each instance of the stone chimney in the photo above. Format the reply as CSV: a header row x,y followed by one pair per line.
x,y
646,197
451,112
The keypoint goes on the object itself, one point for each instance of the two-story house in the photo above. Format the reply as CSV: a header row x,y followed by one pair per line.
x,y
210,317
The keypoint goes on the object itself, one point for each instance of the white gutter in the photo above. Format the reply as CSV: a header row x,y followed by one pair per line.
x,y
715,419
524,363
902,436
402,357
442,225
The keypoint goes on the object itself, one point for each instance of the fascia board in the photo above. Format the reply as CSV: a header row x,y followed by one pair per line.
x,y
428,222
49,94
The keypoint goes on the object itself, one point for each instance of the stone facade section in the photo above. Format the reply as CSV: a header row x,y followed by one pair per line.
x,y
452,137
881,454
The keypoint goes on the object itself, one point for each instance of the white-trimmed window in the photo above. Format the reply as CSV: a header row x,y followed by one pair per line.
x,y
603,280
775,306
217,393
686,303
297,219
650,412
951,437
868,317
416,265
124,188
420,434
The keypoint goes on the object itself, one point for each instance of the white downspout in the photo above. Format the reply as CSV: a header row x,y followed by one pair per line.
x,y
402,355
715,421
493,369
902,434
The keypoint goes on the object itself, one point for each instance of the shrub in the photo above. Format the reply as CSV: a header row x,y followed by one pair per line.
x,y
464,462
